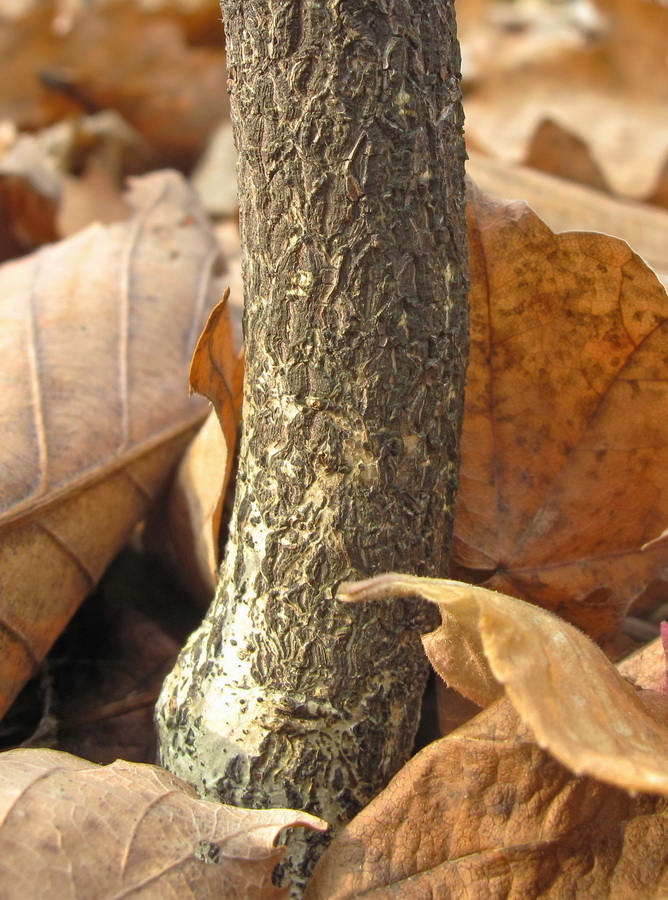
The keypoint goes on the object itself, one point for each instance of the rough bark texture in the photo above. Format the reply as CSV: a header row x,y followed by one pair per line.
x,y
349,129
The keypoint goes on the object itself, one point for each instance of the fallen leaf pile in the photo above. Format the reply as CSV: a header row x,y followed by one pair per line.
x,y
115,485
582,97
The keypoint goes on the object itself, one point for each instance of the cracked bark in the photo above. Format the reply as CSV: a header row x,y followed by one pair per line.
x,y
348,124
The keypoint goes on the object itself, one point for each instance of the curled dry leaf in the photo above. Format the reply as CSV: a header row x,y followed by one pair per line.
x,y
186,532
95,335
485,813
29,197
41,200
213,370
646,670
565,441
186,529
563,687
70,828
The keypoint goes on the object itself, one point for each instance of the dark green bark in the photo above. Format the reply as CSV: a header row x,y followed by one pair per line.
x,y
348,124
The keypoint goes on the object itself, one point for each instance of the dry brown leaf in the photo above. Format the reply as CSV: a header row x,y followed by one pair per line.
x,y
69,828
95,335
214,365
115,57
571,207
609,98
564,449
563,687
647,671
485,813
187,531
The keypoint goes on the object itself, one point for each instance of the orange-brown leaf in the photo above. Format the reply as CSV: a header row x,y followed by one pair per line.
x,y
95,335
215,373
214,366
71,828
486,813
565,444
187,531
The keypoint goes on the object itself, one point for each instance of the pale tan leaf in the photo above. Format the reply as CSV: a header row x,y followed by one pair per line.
x,y
70,828
184,531
563,687
95,334
214,178
646,668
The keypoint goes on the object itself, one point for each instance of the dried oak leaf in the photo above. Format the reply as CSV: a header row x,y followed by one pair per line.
x,y
488,811
565,441
70,828
95,336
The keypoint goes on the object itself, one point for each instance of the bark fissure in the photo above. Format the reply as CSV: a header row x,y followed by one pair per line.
x,y
349,130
